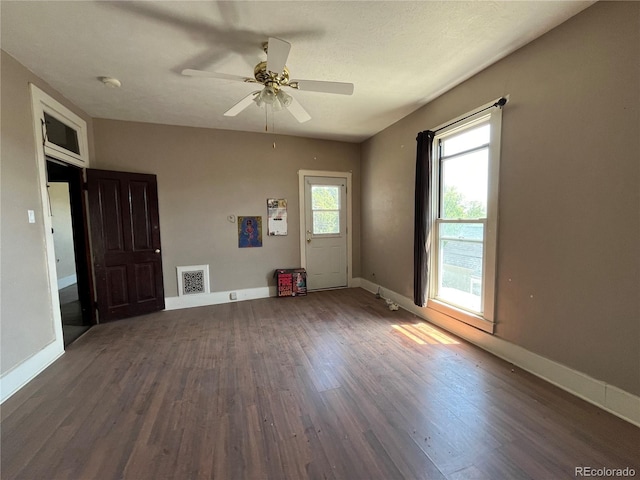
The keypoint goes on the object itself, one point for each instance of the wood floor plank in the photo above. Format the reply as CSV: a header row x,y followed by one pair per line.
x,y
328,386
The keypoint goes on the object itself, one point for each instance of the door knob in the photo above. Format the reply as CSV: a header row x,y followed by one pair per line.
x,y
157,250
308,240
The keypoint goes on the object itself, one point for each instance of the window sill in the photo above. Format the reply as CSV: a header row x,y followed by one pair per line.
x,y
462,316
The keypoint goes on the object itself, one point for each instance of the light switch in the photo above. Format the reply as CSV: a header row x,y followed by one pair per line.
x,y
32,216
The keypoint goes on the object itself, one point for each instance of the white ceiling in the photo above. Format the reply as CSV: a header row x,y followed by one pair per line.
x,y
399,55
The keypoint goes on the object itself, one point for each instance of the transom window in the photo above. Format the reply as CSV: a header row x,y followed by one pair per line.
x,y
60,134
63,133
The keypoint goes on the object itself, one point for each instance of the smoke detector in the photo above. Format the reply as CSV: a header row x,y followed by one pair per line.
x,y
111,82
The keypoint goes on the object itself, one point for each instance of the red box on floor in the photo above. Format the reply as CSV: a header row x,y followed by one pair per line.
x,y
291,282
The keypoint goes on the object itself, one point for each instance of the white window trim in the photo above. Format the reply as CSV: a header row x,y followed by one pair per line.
x,y
41,103
486,321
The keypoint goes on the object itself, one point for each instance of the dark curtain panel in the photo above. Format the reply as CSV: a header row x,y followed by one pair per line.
x,y
422,241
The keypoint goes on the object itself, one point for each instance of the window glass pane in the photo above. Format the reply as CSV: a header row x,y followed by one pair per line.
x,y
326,222
325,197
467,140
460,270
60,134
462,231
464,186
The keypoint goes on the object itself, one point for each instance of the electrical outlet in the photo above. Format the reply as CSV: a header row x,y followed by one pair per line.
x,y
233,296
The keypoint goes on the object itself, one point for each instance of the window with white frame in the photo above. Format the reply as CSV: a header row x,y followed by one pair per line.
x,y
464,204
62,132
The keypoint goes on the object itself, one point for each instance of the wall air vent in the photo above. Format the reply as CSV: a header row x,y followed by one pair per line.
x,y
193,280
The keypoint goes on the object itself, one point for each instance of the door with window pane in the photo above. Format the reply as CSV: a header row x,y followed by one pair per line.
x,y
325,232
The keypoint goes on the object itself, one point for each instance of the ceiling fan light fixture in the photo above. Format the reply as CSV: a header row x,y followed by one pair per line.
x,y
284,98
276,106
273,96
273,75
267,96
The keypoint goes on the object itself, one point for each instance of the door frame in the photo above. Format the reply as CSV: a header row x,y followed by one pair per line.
x,y
40,102
301,197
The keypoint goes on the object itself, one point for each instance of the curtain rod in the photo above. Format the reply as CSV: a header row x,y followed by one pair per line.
x,y
499,103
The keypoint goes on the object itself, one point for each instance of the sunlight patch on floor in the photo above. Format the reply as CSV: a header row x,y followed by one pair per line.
x,y
422,334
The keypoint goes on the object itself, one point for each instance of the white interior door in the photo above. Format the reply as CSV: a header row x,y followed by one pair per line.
x,y
325,220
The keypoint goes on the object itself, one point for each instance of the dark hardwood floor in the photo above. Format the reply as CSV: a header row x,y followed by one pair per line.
x,y
332,385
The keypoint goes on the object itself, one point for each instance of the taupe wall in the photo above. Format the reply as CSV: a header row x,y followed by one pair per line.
x,y
26,318
206,175
569,231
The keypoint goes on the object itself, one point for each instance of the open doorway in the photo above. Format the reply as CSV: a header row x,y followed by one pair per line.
x,y
64,187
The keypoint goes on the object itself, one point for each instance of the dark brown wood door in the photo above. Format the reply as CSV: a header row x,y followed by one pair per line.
x,y
125,237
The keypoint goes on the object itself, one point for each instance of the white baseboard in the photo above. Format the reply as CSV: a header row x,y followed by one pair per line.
x,y
216,298
64,282
608,397
19,376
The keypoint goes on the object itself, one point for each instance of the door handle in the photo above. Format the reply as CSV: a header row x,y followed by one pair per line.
x,y
308,240
157,250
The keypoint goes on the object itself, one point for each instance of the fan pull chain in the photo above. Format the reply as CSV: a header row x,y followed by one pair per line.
x,y
273,128
266,123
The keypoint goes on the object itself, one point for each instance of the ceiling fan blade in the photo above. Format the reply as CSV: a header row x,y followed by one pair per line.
x,y
222,76
241,105
325,87
277,54
298,112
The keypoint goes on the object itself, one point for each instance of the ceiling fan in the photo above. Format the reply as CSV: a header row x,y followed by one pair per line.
x,y
274,75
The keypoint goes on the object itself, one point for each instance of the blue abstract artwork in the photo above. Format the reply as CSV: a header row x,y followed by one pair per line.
x,y
249,232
